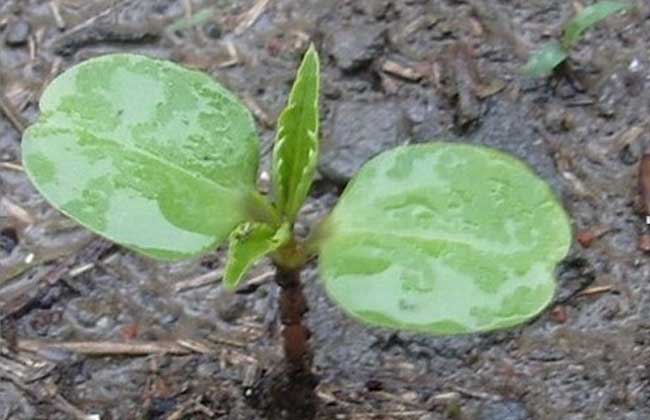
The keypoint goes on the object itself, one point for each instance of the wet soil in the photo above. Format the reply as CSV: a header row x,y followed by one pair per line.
x,y
437,69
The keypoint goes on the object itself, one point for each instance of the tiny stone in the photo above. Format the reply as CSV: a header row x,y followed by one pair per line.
x,y
557,121
586,238
374,385
17,33
359,132
611,308
8,240
355,48
213,30
559,315
168,319
630,154
410,396
231,308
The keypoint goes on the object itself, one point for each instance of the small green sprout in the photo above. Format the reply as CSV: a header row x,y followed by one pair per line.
x,y
543,62
443,238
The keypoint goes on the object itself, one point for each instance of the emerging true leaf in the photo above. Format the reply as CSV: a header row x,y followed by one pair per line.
x,y
588,17
296,145
150,155
250,242
544,61
444,238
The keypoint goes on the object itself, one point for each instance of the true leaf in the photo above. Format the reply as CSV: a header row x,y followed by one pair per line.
x,y
444,238
295,153
588,17
152,156
250,242
544,61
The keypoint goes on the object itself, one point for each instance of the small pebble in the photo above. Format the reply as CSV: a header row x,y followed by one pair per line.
x,y
17,33
8,240
355,48
586,238
129,331
559,315
373,385
410,396
213,30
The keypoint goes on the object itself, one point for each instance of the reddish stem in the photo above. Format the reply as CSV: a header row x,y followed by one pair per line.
x,y
293,306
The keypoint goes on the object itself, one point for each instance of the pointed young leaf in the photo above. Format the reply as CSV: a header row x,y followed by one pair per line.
x,y
295,153
543,61
150,155
588,17
445,239
250,242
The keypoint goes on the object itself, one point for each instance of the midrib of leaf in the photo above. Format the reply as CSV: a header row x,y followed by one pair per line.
x,y
143,152
290,184
476,244
296,171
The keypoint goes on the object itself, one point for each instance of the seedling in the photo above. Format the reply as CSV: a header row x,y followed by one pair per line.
x,y
442,238
543,62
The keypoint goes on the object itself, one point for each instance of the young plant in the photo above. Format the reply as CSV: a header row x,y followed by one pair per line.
x,y
543,62
442,238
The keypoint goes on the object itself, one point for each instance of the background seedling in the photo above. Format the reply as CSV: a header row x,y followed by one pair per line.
x,y
440,238
543,62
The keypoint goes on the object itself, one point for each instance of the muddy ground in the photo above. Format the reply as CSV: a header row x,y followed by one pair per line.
x,y
395,71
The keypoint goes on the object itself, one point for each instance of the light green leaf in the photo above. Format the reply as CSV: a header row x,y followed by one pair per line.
x,y
295,153
588,17
160,159
544,61
250,242
445,239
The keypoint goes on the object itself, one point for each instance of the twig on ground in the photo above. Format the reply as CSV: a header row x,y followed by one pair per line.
x,y
199,281
233,56
77,271
12,115
249,18
14,166
99,348
56,13
30,374
252,285
16,212
476,394
257,111
596,290
191,406
396,69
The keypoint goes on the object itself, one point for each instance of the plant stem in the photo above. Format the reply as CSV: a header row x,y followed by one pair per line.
x,y
293,306
288,393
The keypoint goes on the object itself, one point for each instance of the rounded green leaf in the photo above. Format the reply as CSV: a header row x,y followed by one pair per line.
x,y
444,238
148,154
